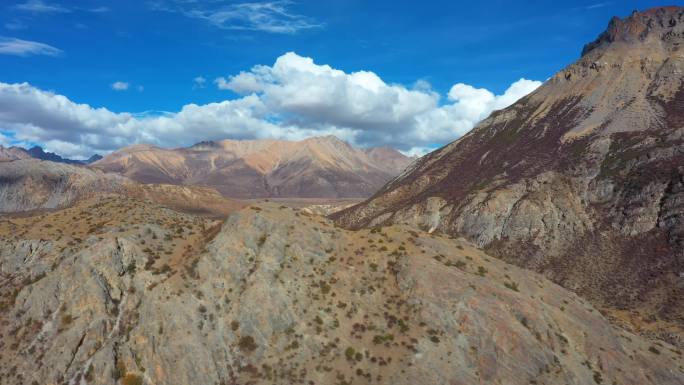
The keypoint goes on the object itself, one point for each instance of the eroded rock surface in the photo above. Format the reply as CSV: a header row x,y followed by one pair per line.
x,y
133,293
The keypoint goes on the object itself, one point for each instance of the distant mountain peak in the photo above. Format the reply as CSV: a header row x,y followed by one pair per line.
x,y
205,144
140,147
94,158
37,150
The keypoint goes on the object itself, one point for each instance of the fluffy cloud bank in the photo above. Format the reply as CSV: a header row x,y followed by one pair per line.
x,y
293,99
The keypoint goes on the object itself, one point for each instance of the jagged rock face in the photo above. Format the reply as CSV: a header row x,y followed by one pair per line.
x,y
582,179
320,167
133,292
30,184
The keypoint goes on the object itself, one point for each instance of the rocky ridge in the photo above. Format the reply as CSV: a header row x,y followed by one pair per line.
x,y
134,293
30,184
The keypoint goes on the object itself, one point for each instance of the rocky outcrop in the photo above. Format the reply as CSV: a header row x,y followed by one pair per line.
x,y
318,167
580,180
133,293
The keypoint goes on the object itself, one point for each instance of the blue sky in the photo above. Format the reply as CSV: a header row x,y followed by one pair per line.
x,y
148,57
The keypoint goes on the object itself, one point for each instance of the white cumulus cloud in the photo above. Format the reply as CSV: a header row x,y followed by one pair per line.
x,y
79,130
294,98
322,95
361,102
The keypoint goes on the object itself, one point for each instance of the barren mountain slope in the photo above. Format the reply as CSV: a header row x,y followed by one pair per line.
x,y
132,293
319,167
13,153
32,184
582,180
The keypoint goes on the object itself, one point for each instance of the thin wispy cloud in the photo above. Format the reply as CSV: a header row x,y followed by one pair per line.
x,y
597,5
15,25
18,47
125,86
39,6
120,86
266,16
593,6
101,9
199,82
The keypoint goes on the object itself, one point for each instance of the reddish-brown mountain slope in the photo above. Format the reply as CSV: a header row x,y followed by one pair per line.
x,y
583,179
320,167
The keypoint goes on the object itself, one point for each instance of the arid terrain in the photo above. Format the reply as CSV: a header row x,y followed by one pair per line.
x,y
544,247
137,293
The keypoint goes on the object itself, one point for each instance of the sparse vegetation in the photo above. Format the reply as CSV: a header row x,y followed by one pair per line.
x,y
261,240
247,344
349,353
381,339
597,377
512,285
132,379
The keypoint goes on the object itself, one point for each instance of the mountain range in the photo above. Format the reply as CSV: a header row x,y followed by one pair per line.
x,y
37,152
544,247
318,167
582,180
